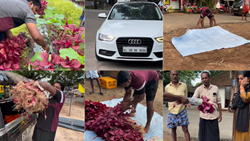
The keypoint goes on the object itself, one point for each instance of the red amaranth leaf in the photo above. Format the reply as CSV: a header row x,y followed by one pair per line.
x,y
111,123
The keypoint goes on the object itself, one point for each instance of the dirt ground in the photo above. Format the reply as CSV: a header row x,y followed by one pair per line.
x,y
223,59
77,112
167,137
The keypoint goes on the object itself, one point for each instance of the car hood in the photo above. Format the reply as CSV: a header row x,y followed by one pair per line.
x,y
132,28
237,5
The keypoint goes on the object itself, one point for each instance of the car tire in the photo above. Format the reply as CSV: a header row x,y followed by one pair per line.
x,y
98,57
235,14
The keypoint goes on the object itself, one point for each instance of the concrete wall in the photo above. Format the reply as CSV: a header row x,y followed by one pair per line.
x,y
173,4
112,74
222,95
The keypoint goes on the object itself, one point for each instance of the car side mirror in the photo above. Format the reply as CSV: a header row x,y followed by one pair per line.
x,y
102,15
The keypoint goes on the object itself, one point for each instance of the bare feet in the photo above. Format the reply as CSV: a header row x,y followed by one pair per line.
x,y
91,92
146,128
101,93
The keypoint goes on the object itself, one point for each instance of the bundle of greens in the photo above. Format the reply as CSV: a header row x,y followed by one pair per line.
x,y
28,96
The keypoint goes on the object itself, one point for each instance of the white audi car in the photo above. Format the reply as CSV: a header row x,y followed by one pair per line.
x,y
132,31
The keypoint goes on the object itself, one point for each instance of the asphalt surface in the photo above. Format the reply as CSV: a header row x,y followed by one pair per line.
x,y
225,126
92,24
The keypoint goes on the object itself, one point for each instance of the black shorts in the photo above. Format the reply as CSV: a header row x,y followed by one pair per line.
x,y
2,36
211,16
42,135
150,90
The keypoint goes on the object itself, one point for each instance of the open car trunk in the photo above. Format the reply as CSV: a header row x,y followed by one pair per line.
x,y
12,123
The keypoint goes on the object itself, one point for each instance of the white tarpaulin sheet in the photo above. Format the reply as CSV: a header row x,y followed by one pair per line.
x,y
202,40
156,127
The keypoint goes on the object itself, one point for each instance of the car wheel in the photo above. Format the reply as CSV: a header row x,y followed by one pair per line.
x,y
98,57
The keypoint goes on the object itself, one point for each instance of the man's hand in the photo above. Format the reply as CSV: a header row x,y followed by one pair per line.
x,y
244,82
46,49
183,100
126,105
8,34
37,37
46,86
220,118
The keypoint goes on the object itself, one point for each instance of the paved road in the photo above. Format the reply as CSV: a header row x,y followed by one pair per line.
x,y
226,125
92,25
174,21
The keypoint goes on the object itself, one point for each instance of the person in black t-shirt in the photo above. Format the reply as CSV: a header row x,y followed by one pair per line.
x,y
45,129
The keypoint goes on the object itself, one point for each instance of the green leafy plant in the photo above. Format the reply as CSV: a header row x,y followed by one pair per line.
x,y
209,3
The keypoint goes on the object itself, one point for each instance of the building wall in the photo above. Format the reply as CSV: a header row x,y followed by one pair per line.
x,y
175,4
112,74
222,95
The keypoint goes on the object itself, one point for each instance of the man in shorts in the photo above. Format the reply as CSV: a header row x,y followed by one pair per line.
x,y
205,11
177,115
144,83
245,9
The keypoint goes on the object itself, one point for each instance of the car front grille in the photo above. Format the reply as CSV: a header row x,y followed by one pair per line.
x,y
145,42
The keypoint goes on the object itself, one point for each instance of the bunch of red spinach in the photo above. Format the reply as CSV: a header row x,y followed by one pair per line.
x,y
41,10
93,109
49,64
206,107
111,123
11,52
69,37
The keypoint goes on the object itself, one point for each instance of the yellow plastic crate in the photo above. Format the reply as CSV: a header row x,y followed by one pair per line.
x,y
108,82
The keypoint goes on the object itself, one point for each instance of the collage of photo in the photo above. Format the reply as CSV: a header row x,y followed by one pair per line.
x,y
124,70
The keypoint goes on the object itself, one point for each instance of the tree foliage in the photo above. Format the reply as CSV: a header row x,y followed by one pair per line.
x,y
68,78
184,76
187,76
34,75
209,3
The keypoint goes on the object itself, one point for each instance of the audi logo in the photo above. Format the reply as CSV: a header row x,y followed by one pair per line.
x,y
134,41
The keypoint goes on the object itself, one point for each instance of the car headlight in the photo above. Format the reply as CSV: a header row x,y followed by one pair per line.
x,y
159,39
241,7
103,37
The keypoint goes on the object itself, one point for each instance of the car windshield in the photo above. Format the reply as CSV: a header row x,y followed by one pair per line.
x,y
135,11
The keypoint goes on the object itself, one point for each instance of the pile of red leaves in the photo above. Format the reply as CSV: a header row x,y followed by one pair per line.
x,y
93,109
29,96
70,37
41,10
11,52
206,107
111,123
55,60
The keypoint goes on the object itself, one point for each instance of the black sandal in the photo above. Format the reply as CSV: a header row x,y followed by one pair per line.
x,y
91,92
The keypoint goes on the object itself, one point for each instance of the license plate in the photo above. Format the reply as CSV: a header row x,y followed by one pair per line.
x,y
235,9
135,49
